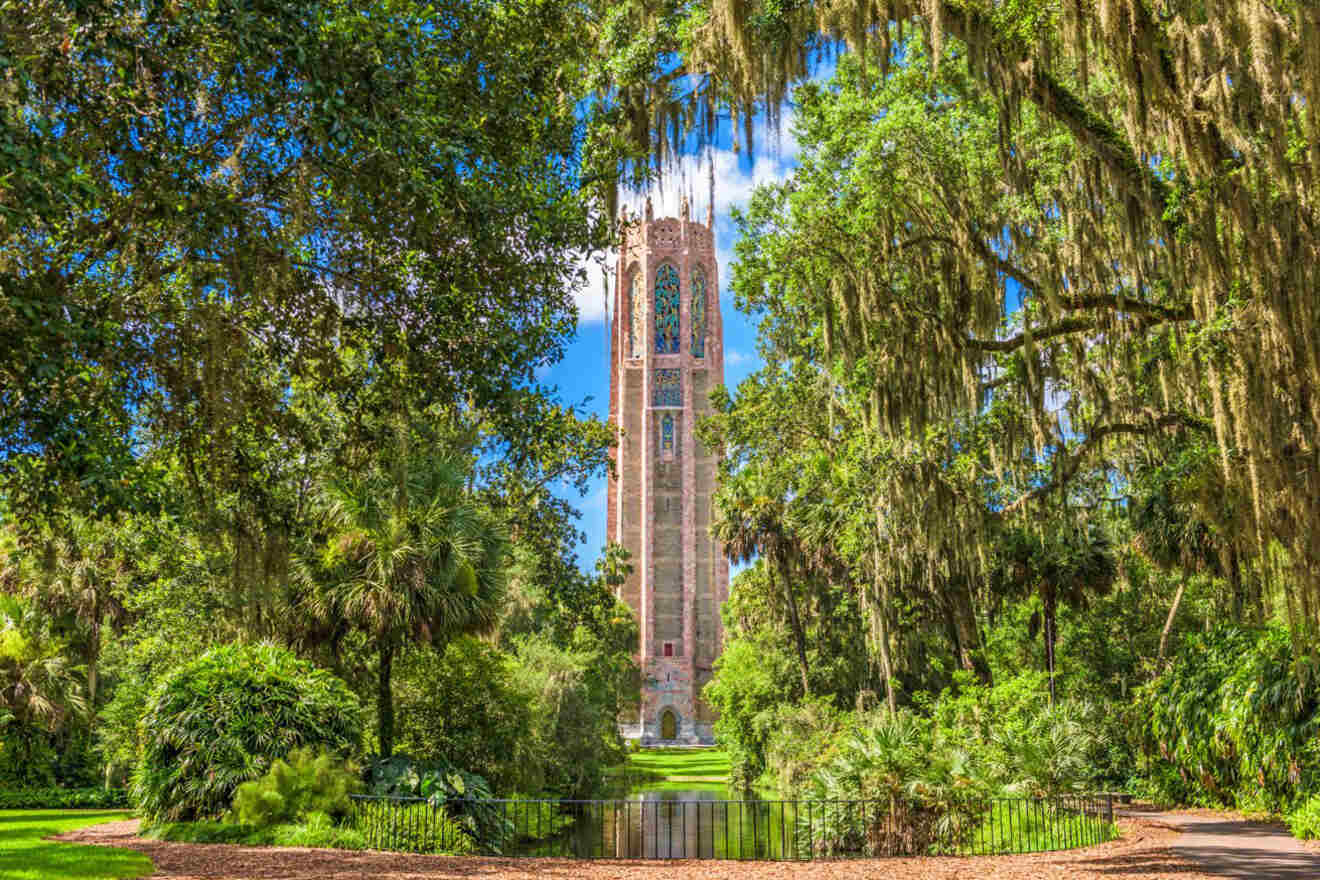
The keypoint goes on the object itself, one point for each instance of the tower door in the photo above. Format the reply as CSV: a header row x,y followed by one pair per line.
x,y
668,725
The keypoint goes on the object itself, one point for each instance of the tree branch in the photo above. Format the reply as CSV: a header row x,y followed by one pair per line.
x,y
1090,129
1049,331
1073,463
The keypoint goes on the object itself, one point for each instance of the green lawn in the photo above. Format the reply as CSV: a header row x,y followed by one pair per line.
x,y
679,765
25,856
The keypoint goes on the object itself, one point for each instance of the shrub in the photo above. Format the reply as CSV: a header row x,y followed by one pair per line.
x,y
465,798
1048,756
308,781
574,736
1304,822
928,793
63,799
421,827
805,731
317,829
27,759
222,719
463,709
1238,721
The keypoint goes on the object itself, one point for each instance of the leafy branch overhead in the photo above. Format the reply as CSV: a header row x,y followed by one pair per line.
x,y
1087,229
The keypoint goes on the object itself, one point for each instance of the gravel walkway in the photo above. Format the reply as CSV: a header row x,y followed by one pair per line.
x,y
1145,852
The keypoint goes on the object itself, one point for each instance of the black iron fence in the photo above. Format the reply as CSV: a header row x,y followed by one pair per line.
x,y
654,828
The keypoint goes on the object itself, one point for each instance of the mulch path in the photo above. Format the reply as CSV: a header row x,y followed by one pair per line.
x,y
1145,852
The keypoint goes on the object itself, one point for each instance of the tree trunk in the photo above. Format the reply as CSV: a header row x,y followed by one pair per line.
x,y
886,664
969,636
93,656
799,638
385,700
1049,638
1168,621
882,618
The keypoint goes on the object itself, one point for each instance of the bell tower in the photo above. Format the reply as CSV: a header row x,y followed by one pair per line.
x,y
666,354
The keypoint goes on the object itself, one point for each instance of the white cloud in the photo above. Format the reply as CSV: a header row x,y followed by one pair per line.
x,y
590,298
735,176
734,357
735,179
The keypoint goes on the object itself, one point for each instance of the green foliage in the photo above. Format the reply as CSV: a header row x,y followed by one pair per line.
x,y
1029,747
278,136
224,718
452,795
41,692
29,855
27,758
63,798
797,735
315,830
402,776
410,554
577,691
430,827
757,673
1050,755
306,781
463,708
1304,819
457,809
1233,722
933,793
953,782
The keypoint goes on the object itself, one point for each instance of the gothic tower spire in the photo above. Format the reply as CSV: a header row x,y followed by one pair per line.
x,y
667,355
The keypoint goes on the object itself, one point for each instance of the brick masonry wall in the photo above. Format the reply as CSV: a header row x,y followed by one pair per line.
x,y
660,499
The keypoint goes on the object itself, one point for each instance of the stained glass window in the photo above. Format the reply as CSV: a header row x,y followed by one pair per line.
x,y
667,435
636,320
666,309
667,389
698,312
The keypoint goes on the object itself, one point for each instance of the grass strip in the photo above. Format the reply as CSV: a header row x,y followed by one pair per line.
x,y
679,765
25,855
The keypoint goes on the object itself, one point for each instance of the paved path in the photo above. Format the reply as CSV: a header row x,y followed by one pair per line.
x,y
1226,847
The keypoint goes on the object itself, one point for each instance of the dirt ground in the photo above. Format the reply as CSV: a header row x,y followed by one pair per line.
x,y
1143,853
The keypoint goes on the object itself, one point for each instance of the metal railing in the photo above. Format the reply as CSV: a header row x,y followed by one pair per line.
x,y
729,829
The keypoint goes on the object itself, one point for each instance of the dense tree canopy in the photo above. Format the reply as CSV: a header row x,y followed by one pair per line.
x,y
1078,231
207,205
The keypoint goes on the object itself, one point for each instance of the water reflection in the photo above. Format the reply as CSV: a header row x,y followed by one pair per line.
x,y
709,823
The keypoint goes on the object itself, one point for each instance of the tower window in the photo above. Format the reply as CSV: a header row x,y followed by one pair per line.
x,y
636,317
669,649
666,309
667,388
698,312
667,437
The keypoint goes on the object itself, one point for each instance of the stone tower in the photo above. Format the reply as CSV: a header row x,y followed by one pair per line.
x,y
666,354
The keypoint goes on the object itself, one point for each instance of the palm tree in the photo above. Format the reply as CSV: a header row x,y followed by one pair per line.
x,y
1068,567
39,688
1174,536
750,521
409,556
79,577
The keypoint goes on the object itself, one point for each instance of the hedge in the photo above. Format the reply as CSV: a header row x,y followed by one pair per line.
x,y
63,798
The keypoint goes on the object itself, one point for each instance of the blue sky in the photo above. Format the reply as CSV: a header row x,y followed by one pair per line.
x,y
584,371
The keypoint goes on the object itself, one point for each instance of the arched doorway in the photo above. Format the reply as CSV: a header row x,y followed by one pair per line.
x,y
668,725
